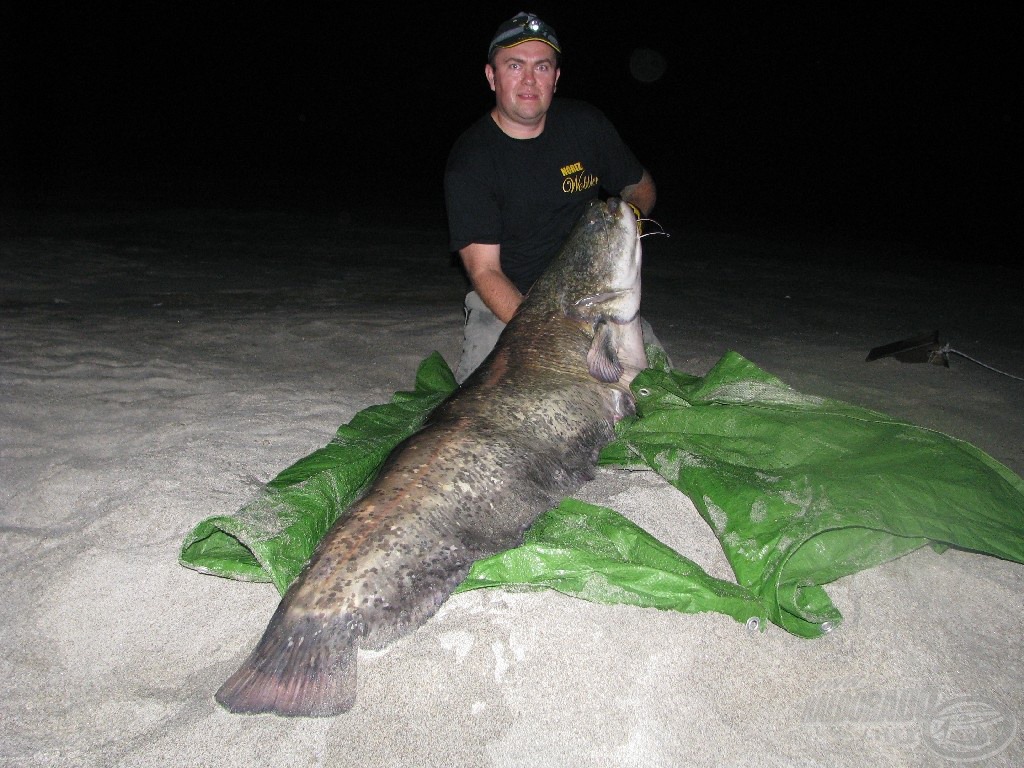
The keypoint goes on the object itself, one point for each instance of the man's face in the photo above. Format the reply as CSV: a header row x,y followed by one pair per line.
x,y
523,79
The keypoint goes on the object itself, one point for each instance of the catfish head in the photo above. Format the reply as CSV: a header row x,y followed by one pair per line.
x,y
596,275
595,280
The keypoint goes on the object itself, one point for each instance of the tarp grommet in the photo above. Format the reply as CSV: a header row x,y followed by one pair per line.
x,y
753,623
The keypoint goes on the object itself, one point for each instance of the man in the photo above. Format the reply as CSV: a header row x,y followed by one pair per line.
x,y
518,179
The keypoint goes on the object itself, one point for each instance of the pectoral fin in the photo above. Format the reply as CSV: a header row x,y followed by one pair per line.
x,y
602,359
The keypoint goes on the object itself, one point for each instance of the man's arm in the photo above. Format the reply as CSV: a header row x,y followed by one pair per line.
x,y
643,194
483,265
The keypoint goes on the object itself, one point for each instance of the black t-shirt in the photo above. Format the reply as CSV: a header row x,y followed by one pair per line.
x,y
527,194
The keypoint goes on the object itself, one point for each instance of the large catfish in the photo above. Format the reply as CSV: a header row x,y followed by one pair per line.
x,y
521,433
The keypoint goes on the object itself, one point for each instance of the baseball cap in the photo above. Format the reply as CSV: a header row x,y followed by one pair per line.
x,y
522,28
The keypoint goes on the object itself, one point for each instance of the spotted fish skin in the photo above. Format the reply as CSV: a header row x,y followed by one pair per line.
x,y
521,433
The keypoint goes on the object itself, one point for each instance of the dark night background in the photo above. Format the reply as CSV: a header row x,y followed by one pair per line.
x,y
871,121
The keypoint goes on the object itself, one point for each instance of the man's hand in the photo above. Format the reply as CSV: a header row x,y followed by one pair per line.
x,y
643,193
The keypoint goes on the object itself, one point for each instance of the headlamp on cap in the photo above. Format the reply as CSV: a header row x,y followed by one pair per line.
x,y
522,28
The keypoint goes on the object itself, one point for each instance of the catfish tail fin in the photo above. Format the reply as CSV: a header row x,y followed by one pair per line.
x,y
297,669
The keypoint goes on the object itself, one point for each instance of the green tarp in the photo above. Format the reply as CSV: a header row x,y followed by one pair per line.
x,y
799,490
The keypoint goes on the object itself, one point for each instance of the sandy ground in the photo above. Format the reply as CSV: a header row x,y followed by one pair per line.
x,y
158,367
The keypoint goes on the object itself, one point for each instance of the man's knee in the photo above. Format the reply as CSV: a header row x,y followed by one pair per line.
x,y
653,342
480,334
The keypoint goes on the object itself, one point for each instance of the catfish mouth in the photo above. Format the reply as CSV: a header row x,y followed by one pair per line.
x,y
586,302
